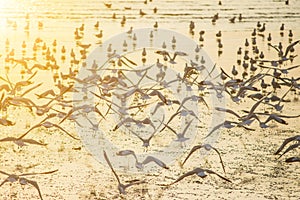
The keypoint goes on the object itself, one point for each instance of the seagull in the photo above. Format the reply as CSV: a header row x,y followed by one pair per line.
x,y
148,159
180,136
287,141
121,187
207,147
166,54
146,121
23,181
201,173
146,142
228,124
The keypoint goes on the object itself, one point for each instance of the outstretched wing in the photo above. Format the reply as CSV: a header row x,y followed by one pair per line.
x,y
293,146
195,171
212,172
157,161
112,169
191,152
59,127
285,142
5,181
34,184
220,158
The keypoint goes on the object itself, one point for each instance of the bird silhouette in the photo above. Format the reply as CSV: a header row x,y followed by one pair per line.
x,y
295,138
207,147
24,181
121,187
201,173
148,159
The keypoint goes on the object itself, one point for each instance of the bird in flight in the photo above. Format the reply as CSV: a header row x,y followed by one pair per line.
x,y
207,147
121,187
24,181
148,159
201,173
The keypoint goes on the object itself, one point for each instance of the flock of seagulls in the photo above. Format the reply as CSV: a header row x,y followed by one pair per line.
x,y
254,78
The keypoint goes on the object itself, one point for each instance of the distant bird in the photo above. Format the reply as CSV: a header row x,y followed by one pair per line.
x,y
240,17
121,187
145,121
291,33
246,43
148,159
286,2
295,138
100,34
180,136
201,173
253,34
207,147
155,25
282,27
234,71
96,25
108,5
171,59
262,29
192,26
269,38
232,20
142,13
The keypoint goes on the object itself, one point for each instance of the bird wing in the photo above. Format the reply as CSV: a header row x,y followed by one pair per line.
x,y
112,169
36,173
2,172
5,181
30,89
191,152
293,159
293,146
228,111
195,171
126,153
57,126
220,158
137,182
36,126
156,160
128,119
186,127
214,129
31,141
34,184
285,142
212,172
290,47
8,139
276,118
